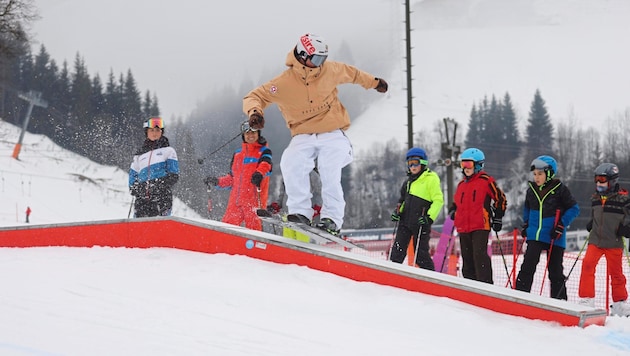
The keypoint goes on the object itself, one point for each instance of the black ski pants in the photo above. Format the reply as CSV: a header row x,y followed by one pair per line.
x,y
476,262
530,261
403,236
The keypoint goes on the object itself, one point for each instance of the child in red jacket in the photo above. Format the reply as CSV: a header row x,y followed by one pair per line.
x,y
248,179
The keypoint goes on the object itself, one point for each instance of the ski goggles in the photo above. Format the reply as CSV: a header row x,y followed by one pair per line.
x,y
467,164
416,161
317,59
246,128
539,164
154,122
601,179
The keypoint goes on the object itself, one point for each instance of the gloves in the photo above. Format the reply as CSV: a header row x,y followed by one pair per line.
x,y
589,225
257,177
524,229
135,189
623,230
424,220
274,208
256,120
557,231
451,212
497,224
396,213
381,87
212,181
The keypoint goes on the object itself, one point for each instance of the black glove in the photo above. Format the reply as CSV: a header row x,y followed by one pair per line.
x,y
256,121
557,231
211,181
135,189
623,230
396,214
497,224
257,177
524,229
589,225
381,87
451,212
424,220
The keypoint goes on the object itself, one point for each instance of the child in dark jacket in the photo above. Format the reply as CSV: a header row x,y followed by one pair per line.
x,y
421,200
610,222
549,208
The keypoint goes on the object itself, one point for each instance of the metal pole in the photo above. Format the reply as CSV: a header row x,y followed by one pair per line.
x,y
409,94
33,98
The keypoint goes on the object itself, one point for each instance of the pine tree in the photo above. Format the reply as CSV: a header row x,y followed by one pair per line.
x,y
539,138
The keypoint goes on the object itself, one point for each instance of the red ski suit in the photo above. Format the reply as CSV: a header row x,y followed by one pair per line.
x,y
245,197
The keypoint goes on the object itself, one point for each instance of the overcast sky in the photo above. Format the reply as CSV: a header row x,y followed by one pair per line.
x,y
184,50
463,50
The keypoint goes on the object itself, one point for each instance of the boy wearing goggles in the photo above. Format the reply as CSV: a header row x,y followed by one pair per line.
x,y
153,173
420,202
478,206
549,207
610,222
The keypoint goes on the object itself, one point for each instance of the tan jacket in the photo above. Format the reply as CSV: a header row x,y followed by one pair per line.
x,y
307,97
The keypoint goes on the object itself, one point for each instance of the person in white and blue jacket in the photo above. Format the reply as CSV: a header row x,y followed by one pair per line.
x,y
549,208
153,173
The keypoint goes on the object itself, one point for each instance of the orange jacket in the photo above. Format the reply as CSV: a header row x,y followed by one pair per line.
x,y
307,97
250,158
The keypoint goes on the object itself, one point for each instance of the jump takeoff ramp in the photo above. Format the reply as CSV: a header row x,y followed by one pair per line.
x,y
214,237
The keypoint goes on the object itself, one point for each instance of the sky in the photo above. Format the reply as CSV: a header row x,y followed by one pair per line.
x,y
462,51
157,301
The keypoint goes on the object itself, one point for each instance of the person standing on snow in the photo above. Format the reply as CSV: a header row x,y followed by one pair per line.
x,y
421,200
306,94
549,207
610,222
474,214
153,173
249,180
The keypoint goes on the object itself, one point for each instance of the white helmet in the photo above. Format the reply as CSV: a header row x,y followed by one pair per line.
x,y
312,47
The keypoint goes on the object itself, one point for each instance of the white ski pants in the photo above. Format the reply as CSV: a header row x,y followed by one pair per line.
x,y
333,151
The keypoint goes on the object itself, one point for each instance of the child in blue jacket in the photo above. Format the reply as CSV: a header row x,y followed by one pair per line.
x,y
549,208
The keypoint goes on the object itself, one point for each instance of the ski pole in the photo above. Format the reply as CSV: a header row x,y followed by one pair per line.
x,y
503,257
542,285
389,256
133,199
415,255
572,267
448,245
200,160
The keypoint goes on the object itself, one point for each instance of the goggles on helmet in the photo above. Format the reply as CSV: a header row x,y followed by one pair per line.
x,y
601,179
154,122
416,161
317,59
246,128
467,164
539,164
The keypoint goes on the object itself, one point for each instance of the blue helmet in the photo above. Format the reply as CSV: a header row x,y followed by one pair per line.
x,y
416,152
419,154
547,164
476,155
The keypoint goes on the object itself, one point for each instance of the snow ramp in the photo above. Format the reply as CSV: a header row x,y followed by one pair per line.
x,y
209,236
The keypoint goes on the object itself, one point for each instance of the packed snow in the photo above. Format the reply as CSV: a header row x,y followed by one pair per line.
x,y
97,301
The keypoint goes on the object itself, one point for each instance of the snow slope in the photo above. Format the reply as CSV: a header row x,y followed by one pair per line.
x,y
115,301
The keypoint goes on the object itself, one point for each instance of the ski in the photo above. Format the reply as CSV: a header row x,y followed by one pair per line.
x,y
314,233
444,247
